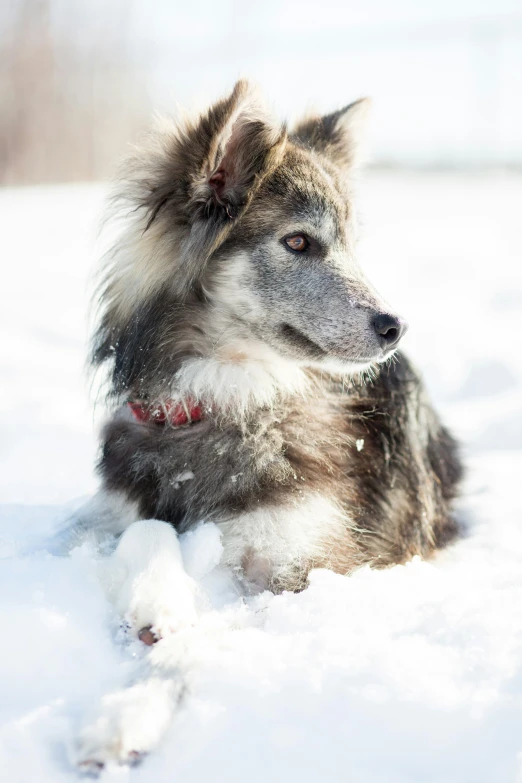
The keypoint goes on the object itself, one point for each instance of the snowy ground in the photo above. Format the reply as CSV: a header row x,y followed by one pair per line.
x,y
412,675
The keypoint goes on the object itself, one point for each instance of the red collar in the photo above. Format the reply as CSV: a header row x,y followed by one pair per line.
x,y
174,413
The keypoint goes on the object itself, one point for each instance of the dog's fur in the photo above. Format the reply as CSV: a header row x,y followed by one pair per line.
x,y
318,446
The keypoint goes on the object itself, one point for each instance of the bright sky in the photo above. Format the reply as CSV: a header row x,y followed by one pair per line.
x,y
445,76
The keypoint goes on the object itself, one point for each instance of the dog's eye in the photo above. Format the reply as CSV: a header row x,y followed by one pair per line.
x,y
297,243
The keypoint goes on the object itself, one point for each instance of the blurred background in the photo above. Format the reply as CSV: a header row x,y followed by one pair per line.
x,y
79,80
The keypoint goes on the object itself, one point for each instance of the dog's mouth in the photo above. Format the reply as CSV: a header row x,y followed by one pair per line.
x,y
300,342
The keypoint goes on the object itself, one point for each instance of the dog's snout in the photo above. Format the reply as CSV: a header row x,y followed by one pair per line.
x,y
389,330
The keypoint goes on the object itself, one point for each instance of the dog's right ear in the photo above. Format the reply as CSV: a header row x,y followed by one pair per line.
x,y
204,173
180,193
238,142
339,135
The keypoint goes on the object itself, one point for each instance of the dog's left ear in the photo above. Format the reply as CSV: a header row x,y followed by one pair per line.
x,y
339,135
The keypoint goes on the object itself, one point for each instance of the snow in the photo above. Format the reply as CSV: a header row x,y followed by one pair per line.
x,y
410,675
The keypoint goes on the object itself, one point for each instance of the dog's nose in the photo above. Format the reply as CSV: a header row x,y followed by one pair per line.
x,y
389,330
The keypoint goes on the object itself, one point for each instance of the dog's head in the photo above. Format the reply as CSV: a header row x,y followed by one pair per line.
x,y
252,231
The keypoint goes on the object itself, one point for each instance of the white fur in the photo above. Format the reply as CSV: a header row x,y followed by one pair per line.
x,y
254,378
139,261
126,724
145,579
275,540
338,367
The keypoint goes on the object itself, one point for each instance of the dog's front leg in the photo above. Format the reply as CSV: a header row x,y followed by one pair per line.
x,y
127,723
147,583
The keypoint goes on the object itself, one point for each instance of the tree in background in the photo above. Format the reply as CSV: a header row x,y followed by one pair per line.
x,y
71,96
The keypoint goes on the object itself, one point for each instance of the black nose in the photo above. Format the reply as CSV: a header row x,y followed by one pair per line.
x,y
389,330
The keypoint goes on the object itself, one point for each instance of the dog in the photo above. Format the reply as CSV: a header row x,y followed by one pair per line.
x,y
254,381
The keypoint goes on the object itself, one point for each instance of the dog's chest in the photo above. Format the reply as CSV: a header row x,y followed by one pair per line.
x,y
284,485
278,485
279,458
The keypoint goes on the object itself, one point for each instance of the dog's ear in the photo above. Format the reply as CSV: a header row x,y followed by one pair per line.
x,y
339,135
183,187
239,141
219,161
207,168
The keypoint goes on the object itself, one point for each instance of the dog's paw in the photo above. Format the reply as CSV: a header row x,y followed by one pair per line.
x,y
146,581
127,725
92,768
